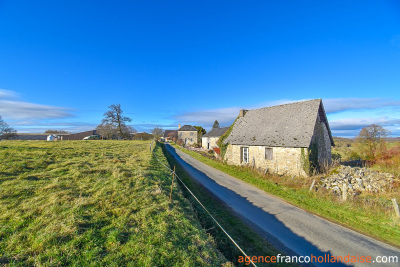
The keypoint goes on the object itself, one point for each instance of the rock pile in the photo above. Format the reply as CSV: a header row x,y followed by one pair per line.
x,y
359,180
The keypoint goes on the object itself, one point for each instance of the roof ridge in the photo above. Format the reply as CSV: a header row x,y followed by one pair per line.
x,y
287,104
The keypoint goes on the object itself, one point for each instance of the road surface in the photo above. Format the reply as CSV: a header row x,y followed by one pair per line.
x,y
287,227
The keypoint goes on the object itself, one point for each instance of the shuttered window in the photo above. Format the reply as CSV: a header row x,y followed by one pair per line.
x,y
269,155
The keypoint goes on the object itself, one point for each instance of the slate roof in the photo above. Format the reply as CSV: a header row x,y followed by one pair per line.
x,y
167,132
289,125
187,128
216,132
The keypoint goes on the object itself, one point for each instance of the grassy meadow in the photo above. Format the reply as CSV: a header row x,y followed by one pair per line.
x,y
91,203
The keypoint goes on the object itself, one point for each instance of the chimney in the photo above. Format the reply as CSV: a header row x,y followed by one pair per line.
x,y
179,126
242,112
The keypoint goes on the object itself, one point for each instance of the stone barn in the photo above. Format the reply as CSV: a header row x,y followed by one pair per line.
x,y
210,139
293,139
188,134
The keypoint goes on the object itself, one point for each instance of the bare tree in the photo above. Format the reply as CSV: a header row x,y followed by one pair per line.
x,y
173,136
113,119
6,131
157,132
106,130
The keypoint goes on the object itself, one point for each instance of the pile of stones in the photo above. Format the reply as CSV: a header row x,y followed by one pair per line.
x,y
358,180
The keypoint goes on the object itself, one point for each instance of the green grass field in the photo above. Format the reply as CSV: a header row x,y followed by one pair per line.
x,y
95,203
371,215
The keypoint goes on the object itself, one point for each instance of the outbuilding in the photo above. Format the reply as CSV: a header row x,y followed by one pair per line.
x,y
290,139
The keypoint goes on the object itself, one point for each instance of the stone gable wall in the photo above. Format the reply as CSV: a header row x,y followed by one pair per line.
x,y
212,140
321,137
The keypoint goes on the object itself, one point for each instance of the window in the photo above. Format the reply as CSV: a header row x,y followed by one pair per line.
x,y
191,134
269,155
180,134
245,155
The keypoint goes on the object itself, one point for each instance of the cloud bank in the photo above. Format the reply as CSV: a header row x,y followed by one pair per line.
x,y
20,113
12,108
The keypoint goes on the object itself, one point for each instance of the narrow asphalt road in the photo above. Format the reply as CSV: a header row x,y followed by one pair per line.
x,y
290,229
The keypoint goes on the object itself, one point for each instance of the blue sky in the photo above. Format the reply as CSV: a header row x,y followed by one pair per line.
x,y
62,63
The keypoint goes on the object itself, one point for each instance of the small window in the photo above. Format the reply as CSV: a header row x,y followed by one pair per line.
x,y
180,134
269,155
191,134
245,154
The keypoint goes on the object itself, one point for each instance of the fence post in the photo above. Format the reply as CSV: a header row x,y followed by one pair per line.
x,y
344,192
312,185
396,207
172,185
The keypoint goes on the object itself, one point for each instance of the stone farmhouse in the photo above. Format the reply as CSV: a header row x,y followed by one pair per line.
x,y
210,139
188,134
292,139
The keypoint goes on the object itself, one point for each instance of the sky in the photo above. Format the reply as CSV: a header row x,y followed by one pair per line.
x,y
62,63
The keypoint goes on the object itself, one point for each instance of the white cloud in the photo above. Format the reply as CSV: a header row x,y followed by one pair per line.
x,y
14,109
207,117
7,94
344,104
359,123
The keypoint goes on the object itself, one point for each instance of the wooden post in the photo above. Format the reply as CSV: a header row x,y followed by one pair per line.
x,y
344,192
254,163
396,207
312,185
172,185
266,170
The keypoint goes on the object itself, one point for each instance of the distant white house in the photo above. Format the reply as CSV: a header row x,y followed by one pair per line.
x,y
210,139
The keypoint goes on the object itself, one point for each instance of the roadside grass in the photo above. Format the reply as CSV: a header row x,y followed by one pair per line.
x,y
369,214
248,239
91,203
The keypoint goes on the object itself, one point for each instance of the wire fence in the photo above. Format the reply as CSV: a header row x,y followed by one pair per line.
x,y
201,204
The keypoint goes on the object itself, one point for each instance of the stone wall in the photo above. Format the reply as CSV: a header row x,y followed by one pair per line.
x,y
188,137
358,180
212,140
286,160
